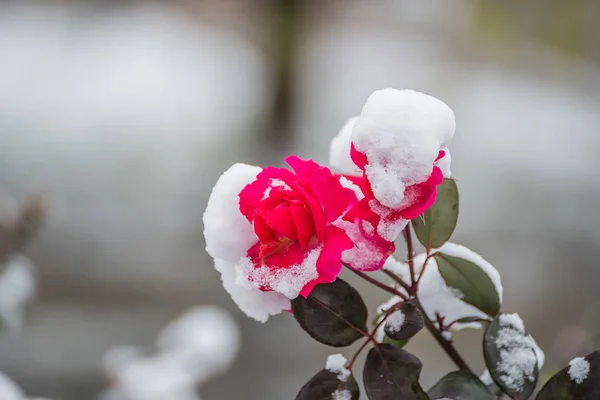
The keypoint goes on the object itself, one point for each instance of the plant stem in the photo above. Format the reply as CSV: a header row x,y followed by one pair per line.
x,y
375,282
445,344
410,253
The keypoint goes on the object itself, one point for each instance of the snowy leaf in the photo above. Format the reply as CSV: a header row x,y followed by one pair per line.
x,y
460,385
510,356
326,386
392,373
404,323
578,380
436,225
471,281
333,314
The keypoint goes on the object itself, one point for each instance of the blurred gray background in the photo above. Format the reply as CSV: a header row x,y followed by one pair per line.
x,y
124,113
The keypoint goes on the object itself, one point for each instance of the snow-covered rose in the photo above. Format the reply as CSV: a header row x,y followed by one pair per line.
x,y
399,142
271,232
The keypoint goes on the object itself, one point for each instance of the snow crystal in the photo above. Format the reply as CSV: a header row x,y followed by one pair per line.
x,y
388,230
364,252
395,321
512,320
229,235
339,150
579,369
347,183
287,281
437,298
273,184
342,395
518,358
336,363
399,268
401,132
380,333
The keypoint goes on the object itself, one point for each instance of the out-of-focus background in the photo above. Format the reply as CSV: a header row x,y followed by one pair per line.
x,y
124,113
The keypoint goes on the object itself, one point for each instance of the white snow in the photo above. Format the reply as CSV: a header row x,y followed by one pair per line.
x,y
387,229
339,150
444,163
229,235
288,281
347,183
395,321
342,394
336,363
364,252
518,357
446,335
17,288
195,347
401,132
456,250
438,298
579,368
397,267
380,333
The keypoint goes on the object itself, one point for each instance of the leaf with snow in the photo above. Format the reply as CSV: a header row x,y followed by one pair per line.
x,y
333,314
392,373
436,225
325,385
404,323
469,280
578,380
460,385
510,356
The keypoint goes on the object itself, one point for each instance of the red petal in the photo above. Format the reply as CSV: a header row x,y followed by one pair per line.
x,y
303,221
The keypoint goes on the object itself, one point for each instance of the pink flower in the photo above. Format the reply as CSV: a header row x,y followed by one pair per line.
x,y
399,143
278,239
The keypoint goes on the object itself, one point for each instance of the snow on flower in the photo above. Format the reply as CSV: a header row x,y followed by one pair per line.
x,y
399,143
271,232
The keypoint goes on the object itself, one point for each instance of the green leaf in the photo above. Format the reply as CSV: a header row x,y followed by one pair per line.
x,y
510,356
460,385
562,387
436,225
412,322
333,314
324,384
471,281
392,373
397,343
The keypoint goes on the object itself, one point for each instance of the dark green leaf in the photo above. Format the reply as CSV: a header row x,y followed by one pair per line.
x,y
510,357
391,373
412,324
435,226
332,314
469,279
324,384
562,387
460,385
